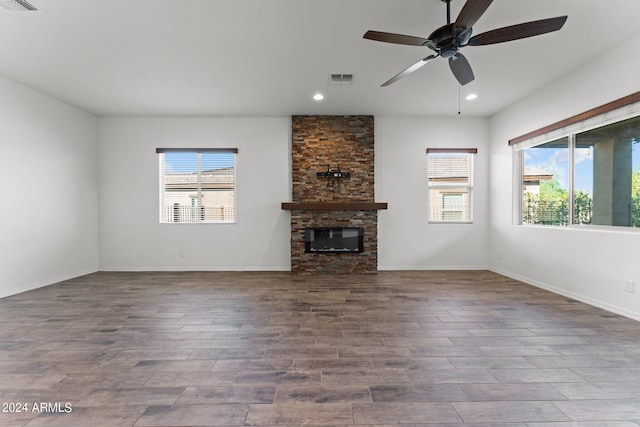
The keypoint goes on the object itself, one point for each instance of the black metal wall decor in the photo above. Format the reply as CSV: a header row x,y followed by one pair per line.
x,y
334,177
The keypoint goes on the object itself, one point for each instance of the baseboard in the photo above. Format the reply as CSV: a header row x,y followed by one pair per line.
x,y
25,288
430,268
587,300
175,269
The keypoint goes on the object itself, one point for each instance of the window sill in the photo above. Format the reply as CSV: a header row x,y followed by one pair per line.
x,y
198,223
588,228
449,222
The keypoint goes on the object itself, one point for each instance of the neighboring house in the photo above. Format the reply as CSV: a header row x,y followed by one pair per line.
x,y
532,178
211,199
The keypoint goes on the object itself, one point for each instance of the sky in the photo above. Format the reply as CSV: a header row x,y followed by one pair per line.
x,y
187,162
555,159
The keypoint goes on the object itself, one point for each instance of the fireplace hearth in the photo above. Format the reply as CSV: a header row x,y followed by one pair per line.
x,y
333,239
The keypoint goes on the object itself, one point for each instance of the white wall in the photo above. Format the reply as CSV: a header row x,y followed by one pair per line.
x,y
589,265
49,181
406,240
131,237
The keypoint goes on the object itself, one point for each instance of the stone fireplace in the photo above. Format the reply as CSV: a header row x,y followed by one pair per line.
x,y
332,166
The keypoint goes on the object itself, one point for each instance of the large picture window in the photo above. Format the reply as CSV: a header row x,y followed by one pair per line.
x,y
450,183
197,185
589,176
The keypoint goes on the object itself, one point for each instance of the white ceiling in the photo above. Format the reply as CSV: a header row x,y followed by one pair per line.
x,y
268,57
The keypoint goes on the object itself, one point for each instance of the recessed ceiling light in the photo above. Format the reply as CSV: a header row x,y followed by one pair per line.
x,y
318,97
471,97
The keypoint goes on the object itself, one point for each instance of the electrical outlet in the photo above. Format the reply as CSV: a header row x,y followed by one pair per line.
x,y
630,286
499,255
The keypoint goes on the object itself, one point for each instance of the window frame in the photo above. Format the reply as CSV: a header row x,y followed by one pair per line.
x,y
162,184
617,111
468,186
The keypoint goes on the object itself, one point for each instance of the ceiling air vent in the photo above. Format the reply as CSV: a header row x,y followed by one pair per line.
x,y
17,5
341,79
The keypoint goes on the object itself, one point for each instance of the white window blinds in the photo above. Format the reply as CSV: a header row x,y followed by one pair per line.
x,y
450,183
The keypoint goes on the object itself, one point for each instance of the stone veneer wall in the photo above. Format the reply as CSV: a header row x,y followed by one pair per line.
x,y
319,142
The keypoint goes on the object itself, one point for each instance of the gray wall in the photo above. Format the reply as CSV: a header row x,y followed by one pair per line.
x,y
49,181
131,237
406,240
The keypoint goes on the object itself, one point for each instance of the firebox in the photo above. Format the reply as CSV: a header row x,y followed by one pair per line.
x,y
333,239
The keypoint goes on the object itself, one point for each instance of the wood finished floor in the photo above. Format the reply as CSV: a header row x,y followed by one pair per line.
x,y
258,349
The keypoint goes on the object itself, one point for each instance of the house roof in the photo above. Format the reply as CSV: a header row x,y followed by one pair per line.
x,y
218,179
534,174
448,168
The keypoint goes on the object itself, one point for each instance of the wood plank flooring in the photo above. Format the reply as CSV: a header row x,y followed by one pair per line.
x,y
273,349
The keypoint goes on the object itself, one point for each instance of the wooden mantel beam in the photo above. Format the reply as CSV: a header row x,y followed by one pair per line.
x,y
333,206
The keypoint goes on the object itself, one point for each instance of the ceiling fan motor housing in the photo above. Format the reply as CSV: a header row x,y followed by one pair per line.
x,y
447,39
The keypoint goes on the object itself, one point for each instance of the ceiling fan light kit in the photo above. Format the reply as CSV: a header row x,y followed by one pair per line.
x,y
447,40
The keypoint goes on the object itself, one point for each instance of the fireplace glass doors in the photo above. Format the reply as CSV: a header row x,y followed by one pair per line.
x,y
333,239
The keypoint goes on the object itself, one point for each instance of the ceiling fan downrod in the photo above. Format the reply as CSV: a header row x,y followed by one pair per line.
x,y
448,2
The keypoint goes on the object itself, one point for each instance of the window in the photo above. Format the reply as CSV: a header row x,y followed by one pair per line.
x,y
197,185
606,164
545,183
589,176
450,183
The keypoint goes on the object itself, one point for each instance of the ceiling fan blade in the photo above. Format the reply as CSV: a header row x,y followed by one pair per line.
x,y
409,70
518,31
461,69
395,38
471,12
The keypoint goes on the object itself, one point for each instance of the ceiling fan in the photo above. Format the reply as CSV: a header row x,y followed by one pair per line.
x,y
447,40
